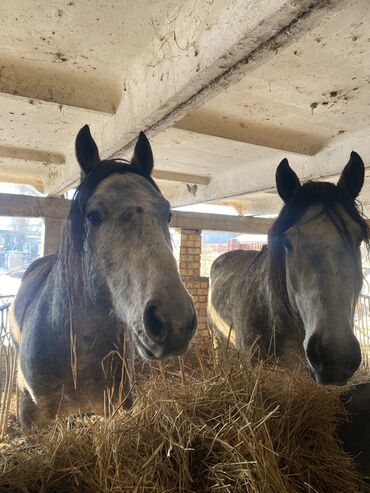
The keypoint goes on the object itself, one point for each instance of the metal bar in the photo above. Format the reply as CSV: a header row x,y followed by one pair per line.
x,y
362,328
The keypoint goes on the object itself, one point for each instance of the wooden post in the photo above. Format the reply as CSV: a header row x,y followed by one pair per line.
x,y
53,234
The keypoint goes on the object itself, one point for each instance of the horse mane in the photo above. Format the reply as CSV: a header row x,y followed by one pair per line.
x,y
330,196
70,253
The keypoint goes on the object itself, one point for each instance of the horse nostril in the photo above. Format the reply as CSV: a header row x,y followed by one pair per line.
x,y
154,325
313,353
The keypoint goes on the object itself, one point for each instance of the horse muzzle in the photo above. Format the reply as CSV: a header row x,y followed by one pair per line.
x,y
333,364
162,335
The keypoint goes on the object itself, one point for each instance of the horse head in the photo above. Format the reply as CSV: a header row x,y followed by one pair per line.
x,y
119,224
316,261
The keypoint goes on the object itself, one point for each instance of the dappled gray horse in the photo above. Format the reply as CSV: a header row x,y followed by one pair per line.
x,y
115,266
300,292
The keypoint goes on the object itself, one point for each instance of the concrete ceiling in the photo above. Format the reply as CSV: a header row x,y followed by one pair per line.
x,y
225,90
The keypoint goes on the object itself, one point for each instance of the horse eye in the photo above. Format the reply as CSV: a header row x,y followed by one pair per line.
x,y
95,218
287,244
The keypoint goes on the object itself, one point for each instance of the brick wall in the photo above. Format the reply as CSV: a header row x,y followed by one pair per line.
x,y
190,252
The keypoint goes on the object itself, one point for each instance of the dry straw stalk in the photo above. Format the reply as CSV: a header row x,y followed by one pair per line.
x,y
222,426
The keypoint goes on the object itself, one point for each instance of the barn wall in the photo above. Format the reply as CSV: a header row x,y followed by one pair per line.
x,y
190,255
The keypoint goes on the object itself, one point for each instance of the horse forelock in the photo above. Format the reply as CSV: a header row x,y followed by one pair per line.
x,y
330,196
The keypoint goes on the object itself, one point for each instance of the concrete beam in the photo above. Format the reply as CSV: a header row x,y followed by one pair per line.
x,y
259,176
180,177
58,102
32,155
33,166
220,222
203,49
29,206
31,175
24,82
207,122
262,204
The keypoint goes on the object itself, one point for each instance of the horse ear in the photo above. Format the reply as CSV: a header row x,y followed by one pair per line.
x,y
143,156
353,175
287,182
86,150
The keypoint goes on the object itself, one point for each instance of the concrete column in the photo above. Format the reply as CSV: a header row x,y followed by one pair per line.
x,y
53,234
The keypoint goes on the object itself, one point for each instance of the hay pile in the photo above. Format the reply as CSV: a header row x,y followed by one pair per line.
x,y
229,427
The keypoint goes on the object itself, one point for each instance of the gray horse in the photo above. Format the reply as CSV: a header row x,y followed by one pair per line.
x,y
300,292
115,267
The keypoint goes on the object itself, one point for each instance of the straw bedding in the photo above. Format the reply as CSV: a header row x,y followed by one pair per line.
x,y
227,426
